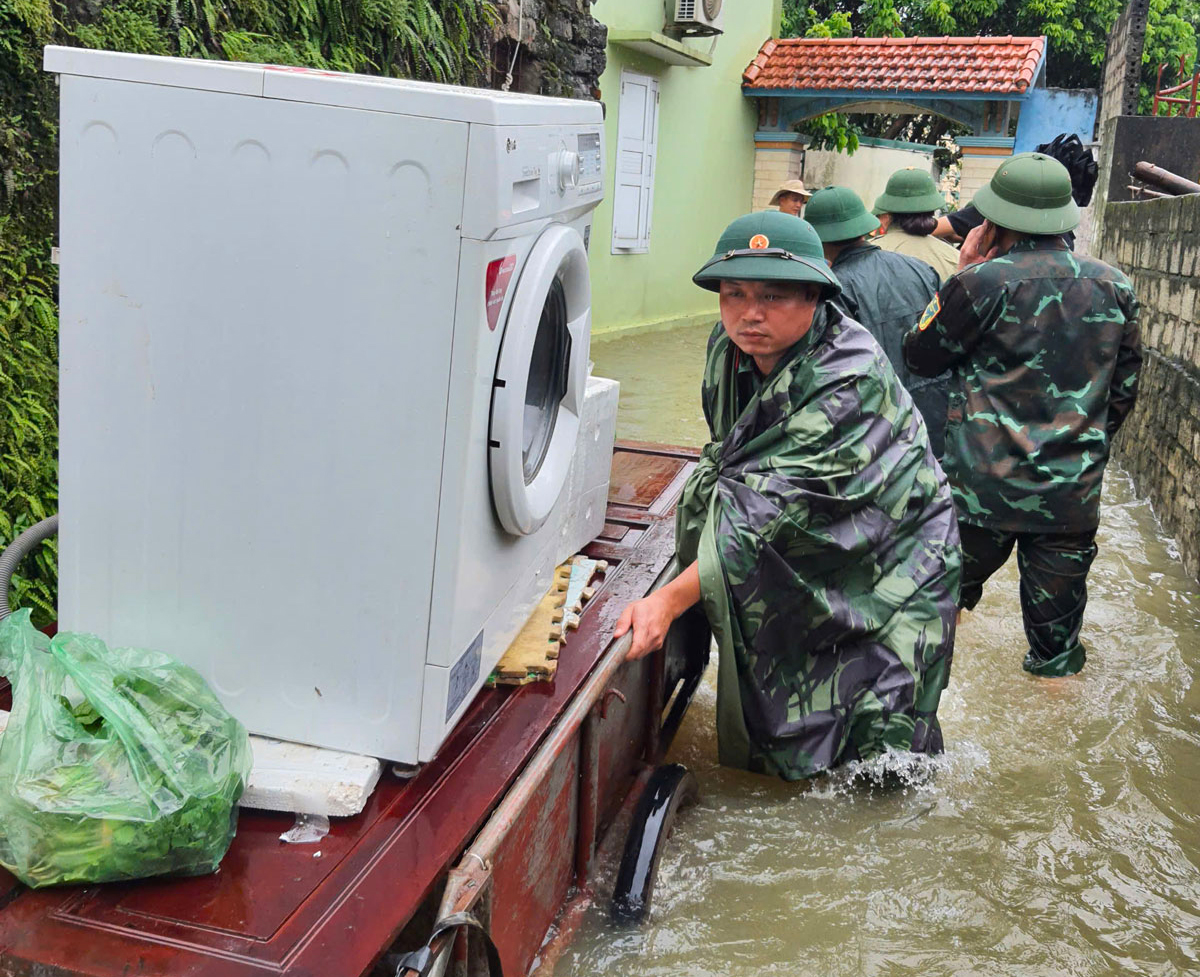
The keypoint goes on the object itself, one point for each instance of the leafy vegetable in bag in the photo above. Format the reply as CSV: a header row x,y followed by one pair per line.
x,y
116,764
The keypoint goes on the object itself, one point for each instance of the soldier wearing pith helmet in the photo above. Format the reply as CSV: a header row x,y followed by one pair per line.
x,y
883,291
1044,352
906,210
817,534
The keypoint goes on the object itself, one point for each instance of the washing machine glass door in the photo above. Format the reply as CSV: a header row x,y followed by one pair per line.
x,y
540,380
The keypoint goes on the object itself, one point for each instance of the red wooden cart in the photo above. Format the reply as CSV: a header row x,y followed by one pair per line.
x,y
505,822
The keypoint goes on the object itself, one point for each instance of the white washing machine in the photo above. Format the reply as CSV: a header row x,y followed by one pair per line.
x,y
324,354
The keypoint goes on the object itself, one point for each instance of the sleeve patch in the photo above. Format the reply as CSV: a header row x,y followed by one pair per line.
x,y
930,313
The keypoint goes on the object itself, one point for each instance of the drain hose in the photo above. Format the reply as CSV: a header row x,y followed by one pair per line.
x,y
17,550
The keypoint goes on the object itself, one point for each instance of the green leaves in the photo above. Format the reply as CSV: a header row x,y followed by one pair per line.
x,y
28,397
1077,30
119,763
439,40
1170,32
131,27
832,131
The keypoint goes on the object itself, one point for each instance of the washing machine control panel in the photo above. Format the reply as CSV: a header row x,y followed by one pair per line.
x,y
568,170
520,174
591,163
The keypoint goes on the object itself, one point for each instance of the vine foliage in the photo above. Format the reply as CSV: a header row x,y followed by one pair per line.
x,y
436,40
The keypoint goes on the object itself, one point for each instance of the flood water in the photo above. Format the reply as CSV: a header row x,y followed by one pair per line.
x,y
1059,833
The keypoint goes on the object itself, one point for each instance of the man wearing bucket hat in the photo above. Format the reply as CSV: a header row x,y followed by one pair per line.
x,y
817,532
1044,349
791,197
906,210
884,291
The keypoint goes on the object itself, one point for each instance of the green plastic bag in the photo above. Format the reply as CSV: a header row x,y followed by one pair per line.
x,y
116,763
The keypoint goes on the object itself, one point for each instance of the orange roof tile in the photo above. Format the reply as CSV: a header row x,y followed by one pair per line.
x,y
963,65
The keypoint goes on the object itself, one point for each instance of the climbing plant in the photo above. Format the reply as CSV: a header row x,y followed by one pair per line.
x,y
437,40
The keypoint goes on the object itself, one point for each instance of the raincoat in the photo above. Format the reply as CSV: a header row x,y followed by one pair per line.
x,y
887,292
828,555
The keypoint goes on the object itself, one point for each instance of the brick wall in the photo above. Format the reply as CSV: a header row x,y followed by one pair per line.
x,y
773,165
1157,244
976,172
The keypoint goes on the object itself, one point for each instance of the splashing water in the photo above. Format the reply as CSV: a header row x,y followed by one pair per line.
x,y
1058,834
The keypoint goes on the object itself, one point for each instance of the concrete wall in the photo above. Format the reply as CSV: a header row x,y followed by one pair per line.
x,y
704,170
1123,64
866,172
1157,244
1051,111
1172,143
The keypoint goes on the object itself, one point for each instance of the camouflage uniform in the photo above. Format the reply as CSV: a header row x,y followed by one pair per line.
x,y
886,292
828,555
1044,348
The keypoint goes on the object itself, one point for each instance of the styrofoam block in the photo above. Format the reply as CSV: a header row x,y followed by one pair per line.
x,y
307,780
586,490
302,779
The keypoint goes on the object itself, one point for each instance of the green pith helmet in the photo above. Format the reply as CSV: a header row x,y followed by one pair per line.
x,y
767,247
837,214
1030,193
909,191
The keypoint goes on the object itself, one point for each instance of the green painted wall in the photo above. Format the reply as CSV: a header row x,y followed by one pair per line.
x,y
705,169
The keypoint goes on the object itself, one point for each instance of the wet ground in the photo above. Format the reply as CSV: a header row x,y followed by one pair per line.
x,y
1059,833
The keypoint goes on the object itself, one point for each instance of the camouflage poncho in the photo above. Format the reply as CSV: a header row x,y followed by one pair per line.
x,y
828,552
1045,351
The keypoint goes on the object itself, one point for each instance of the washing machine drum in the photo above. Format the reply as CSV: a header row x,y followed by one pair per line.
x,y
540,380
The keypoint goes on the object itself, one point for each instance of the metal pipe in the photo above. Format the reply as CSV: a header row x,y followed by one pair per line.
x,y
1147,192
472,875
1171,182
658,668
488,841
589,797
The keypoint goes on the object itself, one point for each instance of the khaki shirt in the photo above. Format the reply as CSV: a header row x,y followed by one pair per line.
x,y
924,247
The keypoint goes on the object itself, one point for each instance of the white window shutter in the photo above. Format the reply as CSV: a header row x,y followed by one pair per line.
x,y
651,161
637,139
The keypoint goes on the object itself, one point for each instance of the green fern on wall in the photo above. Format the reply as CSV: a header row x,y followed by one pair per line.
x,y
436,40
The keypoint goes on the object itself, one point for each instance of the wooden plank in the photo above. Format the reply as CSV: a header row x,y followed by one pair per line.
x,y
533,654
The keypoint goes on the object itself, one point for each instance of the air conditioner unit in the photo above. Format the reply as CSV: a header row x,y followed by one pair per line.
x,y
698,16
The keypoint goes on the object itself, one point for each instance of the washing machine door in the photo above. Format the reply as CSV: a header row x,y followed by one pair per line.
x,y
540,379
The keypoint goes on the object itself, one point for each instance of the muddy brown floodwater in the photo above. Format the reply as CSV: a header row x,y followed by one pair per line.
x,y
1058,834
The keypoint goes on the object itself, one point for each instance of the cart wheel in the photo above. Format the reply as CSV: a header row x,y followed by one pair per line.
x,y
671,787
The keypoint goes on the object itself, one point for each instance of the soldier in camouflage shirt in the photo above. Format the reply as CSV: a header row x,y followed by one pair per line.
x,y
817,532
1044,348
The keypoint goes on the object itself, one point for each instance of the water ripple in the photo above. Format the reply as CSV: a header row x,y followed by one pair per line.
x,y
1058,834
